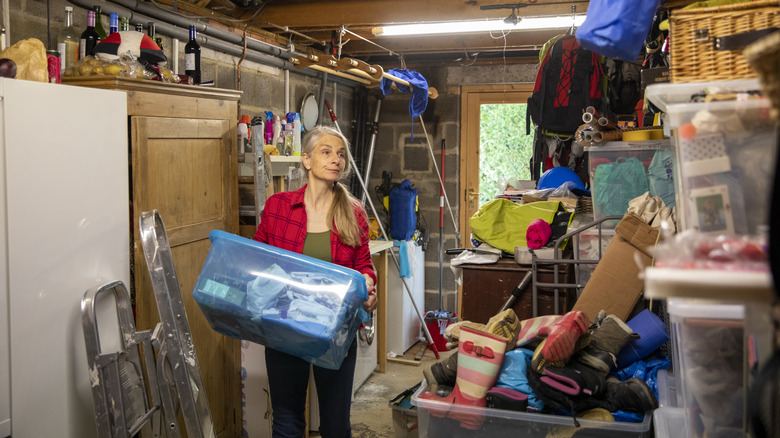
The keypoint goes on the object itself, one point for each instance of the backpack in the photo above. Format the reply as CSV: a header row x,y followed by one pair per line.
x,y
403,211
570,78
624,85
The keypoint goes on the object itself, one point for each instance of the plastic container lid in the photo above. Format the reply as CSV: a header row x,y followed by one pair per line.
x,y
693,308
675,99
618,146
664,95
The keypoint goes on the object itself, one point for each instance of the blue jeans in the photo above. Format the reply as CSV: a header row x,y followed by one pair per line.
x,y
288,379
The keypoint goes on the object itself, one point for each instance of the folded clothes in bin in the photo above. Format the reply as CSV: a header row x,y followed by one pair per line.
x,y
283,300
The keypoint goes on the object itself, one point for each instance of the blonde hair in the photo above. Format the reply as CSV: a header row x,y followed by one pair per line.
x,y
341,217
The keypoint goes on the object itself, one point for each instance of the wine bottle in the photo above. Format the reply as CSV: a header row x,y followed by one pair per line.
x,y
150,29
68,41
139,27
113,23
192,57
124,24
89,38
101,31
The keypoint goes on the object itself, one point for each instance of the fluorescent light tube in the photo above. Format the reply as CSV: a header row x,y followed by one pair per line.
x,y
528,23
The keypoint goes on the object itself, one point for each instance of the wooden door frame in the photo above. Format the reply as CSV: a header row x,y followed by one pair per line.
x,y
472,96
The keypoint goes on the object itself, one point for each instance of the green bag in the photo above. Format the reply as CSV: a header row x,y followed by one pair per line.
x,y
503,223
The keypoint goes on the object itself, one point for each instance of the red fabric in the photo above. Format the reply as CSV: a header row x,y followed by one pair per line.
x,y
569,58
538,234
283,224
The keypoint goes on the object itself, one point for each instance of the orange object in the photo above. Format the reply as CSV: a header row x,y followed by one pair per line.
x,y
687,131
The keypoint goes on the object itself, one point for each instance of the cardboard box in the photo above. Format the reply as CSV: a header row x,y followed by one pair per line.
x,y
615,285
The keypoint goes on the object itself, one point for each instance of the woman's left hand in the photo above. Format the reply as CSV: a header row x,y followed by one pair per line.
x,y
370,304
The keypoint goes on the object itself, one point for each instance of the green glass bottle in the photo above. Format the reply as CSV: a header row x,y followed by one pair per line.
x,y
101,31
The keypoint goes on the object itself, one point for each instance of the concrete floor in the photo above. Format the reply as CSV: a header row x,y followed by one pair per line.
x,y
372,416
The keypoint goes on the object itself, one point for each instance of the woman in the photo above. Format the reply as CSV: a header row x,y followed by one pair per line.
x,y
320,220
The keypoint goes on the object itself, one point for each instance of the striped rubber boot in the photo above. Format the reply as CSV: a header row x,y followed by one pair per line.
x,y
480,356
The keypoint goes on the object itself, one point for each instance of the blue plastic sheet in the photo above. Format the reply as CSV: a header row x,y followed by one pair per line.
x,y
513,375
617,28
647,371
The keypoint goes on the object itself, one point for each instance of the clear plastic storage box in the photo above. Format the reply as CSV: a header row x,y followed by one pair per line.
x,y
622,171
709,358
726,153
287,301
507,423
670,423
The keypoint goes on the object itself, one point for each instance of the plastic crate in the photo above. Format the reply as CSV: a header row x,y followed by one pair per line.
x,y
668,390
505,423
670,423
622,171
709,355
287,301
725,152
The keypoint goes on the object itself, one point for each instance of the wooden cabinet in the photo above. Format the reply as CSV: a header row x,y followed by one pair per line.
x,y
486,288
183,164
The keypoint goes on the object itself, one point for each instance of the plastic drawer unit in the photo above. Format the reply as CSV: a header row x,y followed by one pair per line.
x,y
283,300
505,423
726,149
709,348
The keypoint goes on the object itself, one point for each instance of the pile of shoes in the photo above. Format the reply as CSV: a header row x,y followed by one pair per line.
x,y
571,365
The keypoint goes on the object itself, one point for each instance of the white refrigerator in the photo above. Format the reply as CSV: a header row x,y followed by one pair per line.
x,y
64,228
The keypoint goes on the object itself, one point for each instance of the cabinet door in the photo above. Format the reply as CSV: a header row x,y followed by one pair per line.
x,y
186,170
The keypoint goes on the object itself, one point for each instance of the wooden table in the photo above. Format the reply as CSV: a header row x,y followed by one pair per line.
x,y
379,250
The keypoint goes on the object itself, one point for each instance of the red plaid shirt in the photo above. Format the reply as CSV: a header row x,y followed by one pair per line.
x,y
283,224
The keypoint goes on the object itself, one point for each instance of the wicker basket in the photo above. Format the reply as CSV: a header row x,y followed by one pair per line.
x,y
694,32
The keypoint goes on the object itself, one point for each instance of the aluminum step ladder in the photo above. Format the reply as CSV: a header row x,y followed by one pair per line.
x,y
119,389
127,401
177,352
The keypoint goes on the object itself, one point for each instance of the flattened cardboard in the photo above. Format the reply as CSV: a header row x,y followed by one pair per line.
x,y
615,285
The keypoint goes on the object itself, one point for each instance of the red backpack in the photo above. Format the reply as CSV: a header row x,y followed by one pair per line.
x,y
570,78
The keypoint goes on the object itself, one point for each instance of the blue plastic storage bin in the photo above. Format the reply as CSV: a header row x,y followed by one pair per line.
x,y
283,300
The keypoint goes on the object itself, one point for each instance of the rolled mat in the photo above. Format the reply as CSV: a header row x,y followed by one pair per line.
x,y
538,234
652,334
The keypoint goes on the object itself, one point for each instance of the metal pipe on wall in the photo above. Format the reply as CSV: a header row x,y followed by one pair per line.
x,y
205,29
256,51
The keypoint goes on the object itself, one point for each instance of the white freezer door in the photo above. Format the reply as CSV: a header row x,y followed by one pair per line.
x,y
66,230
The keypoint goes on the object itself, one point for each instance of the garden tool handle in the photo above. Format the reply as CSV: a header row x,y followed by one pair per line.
x,y
517,291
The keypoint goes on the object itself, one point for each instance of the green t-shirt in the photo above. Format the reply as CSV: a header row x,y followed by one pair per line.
x,y
317,245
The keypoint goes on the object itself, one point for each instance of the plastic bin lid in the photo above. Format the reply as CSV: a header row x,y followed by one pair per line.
x,y
695,308
617,146
664,95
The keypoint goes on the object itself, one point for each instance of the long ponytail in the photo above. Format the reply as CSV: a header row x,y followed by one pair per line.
x,y
342,215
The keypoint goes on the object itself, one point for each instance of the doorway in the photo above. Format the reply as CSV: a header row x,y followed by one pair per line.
x,y
476,100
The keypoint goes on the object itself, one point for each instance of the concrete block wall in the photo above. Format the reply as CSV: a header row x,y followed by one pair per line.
x,y
401,147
